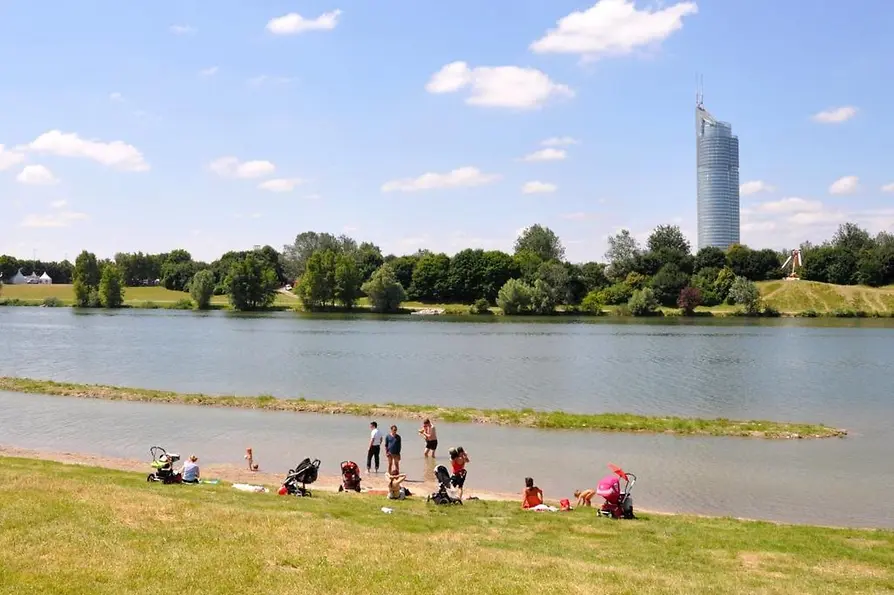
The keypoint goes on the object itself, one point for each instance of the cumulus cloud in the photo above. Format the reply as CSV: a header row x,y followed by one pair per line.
x,y
37,175
210,71
885,188
498,86
58,204
117,154
538,188
281,184
755,186
293,23
548,154
181,29
835,115
116,97
61,219
232,167
463,177
845,185
9,158
790,205
613,27
560,141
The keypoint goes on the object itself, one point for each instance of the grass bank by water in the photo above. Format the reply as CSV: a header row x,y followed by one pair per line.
x,y
605,422
70,530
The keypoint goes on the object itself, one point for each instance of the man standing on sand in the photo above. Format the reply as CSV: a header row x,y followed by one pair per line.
x,y
392,451
375,447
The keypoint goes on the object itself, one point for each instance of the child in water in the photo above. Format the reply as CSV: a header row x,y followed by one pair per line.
x,y
249,456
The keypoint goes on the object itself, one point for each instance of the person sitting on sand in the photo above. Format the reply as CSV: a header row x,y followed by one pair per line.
x,y
190,471
430,435
395,490
584,497
532,496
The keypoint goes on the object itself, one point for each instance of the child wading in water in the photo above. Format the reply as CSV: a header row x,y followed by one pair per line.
x,y
532,496
249,456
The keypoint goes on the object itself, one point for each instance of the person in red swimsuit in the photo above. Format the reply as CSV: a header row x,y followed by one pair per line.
x,y
459,458
532,496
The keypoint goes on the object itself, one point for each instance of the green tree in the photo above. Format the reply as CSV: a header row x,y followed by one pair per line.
x,y
431,278
555,275
111,287
295,255
368,258
615,295
348,279
668,237
542,241
177,270
86,280
499,267
316,287
593,274
544,297
467,272
689,299
201,288
514,297
591,303
709,257
527,263
852,238
643,302
623,250
746,294
251,283
384,291
668,283
705,281
723,283
481,306
404,267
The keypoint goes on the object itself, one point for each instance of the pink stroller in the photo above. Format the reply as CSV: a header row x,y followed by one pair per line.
x,y
618,502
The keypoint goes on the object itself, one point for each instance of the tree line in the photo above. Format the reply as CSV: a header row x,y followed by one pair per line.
x,y
335,272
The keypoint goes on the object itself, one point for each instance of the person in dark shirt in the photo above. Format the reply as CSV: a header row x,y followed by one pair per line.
x,y
392,451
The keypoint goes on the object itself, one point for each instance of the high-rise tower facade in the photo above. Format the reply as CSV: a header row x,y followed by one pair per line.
x,y
717,155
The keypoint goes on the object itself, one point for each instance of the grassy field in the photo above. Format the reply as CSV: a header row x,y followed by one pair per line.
x,y
559,420
797,296
72,530
133,296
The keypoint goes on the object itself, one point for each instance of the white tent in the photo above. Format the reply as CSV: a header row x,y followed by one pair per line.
x,y
18,278
46,279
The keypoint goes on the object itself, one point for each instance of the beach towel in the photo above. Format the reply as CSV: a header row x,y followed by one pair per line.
x,y
245,487
544,508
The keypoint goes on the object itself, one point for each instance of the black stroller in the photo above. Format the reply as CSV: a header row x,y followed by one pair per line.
x,y
163,463
295,483
445,493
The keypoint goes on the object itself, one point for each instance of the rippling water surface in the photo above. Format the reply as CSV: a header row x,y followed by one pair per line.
x,y
833,372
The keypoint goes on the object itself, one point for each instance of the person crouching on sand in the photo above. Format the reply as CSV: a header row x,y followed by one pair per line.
x,y
430,435
584,497
532,496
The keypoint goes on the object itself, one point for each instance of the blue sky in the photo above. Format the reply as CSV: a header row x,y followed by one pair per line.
x,y
214,126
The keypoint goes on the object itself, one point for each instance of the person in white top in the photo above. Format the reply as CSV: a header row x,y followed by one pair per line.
x,y
375,447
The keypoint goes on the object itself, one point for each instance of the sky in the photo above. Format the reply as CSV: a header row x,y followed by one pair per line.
x,y
215,126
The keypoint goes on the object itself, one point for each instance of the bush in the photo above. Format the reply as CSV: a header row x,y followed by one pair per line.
x,y
514,297
668,283
183,304
111,287
615,295
591,303
544,297
771,312
481,306
643,302
808,314
384,291
746,294
201,288
52,302
689,299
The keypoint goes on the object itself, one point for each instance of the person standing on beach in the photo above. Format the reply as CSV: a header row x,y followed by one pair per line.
x,y
430,435
375,447
392,451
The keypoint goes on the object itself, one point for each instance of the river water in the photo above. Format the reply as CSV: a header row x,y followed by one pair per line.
x,y
834,372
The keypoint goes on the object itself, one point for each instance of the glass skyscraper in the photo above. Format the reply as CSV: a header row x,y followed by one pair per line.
x,y
717,151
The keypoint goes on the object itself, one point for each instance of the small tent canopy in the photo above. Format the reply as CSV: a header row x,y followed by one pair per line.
x,y
18,278
46,279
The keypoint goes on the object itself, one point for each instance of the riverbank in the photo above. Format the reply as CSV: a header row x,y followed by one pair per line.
x,y
529,418
144,537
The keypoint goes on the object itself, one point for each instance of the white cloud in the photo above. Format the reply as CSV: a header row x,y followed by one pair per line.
x,y
293,23
263,79
835,115
499,86
231,167
117,154
580,216
116,96
63,219
181,29
538,188
612,27
210,71
845,185
9,158
885,188
755,186
312,197
548,154
255,216
58,204
560,141
789,205
281,184
458,178
37,175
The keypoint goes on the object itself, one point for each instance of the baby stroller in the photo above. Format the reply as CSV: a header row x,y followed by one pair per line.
x,y
350,477
445,493
618,502
296,481
163,463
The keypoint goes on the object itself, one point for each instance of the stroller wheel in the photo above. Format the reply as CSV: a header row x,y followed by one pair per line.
x,y
150,477
341,489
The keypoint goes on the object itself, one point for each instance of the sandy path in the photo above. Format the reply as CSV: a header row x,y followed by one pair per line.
x,y
235,474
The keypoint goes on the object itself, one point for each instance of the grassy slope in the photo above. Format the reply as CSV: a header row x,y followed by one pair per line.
x,y
71,530
560,420
795,296
132,295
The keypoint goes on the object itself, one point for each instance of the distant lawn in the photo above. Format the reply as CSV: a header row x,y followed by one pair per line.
x,y
798,296
72,530
132,295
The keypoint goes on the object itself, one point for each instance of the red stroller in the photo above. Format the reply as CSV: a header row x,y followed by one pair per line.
x,y
350,477
618,502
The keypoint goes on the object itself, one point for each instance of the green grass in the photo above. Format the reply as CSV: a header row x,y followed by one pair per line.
x,y
797,296
72,530
135,297
557,420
